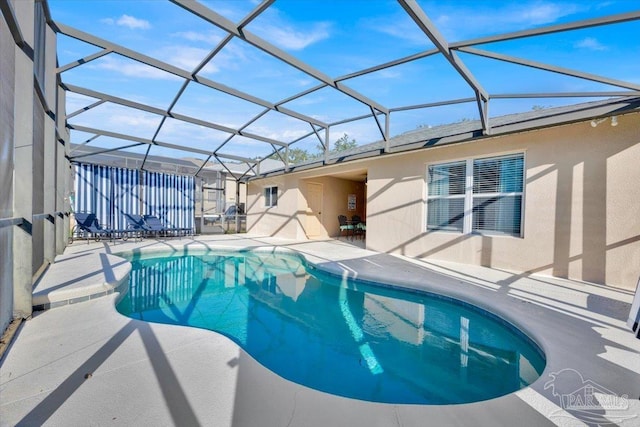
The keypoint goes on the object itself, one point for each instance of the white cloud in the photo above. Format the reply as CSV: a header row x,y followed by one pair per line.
x,y
288,37
543,13
135,119
459,23
131,68
186,57
590,43
388,74
303,82
176,131
286,34
76,101
120,119
398,26
129,22
133,23
279,133
195,36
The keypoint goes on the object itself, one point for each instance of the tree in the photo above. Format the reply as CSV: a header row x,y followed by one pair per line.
x,y
341,144
538,107
296,155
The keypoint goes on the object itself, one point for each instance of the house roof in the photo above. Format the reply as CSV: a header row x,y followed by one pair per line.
x,y
471,130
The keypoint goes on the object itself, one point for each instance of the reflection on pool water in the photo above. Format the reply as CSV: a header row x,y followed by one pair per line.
x,y
340,336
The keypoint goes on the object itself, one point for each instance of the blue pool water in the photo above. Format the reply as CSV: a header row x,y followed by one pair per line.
x,y
340,336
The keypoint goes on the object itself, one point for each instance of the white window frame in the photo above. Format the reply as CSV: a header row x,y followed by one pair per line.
x,y
467,227
268,200
444,197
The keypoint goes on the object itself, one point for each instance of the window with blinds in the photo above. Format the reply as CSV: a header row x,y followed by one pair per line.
x,y
445,202
477,195
497,194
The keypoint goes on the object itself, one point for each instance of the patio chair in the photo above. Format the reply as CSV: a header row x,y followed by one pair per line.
x,y
136,225
157,226
88,224
345,225
359,227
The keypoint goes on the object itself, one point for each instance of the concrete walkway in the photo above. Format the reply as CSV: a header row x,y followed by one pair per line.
x,y
82,363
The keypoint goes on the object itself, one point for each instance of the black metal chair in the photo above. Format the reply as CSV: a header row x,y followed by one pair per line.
x,y
345,226
359,227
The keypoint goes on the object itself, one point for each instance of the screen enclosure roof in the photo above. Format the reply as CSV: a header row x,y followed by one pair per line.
x,y
216,83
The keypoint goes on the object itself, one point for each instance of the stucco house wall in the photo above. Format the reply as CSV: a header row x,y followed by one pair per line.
x,y
289,218
336,195
581,204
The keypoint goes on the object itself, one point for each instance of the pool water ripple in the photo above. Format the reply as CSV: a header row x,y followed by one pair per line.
x,y
336,335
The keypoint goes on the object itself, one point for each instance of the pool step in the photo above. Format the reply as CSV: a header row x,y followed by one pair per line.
x,y
95,275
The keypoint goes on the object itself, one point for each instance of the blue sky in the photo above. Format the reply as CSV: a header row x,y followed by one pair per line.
x,y
336,38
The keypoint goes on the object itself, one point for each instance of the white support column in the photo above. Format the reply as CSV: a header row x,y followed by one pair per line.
x,y
62,203
327,144
387,119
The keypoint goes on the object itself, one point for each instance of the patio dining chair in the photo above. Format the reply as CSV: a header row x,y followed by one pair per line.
x,y
345,225
359,227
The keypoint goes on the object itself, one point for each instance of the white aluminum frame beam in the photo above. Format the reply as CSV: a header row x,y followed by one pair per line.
x,y
431,31
139,140
228,26
159,111
166,67
577,25
551,68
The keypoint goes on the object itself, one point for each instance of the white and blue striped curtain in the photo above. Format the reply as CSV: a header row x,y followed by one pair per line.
x,y
170,197
93,191
126,195
111,192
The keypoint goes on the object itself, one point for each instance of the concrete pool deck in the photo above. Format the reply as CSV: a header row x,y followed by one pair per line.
x,y
82,363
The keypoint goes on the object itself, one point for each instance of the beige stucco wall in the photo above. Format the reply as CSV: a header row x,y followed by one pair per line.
x,y
289,218
285,219
335,201
581,214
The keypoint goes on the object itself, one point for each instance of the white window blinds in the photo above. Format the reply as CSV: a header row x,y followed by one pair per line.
x,y
481,195
445,203
497,194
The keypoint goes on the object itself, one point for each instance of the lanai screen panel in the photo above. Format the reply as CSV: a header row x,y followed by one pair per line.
x,y
232,66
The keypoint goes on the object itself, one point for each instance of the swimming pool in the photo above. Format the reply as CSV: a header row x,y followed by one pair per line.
x,y
336,335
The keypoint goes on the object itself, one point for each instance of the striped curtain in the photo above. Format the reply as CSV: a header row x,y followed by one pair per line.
x,y
111,192
93,191
170,197
126,195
